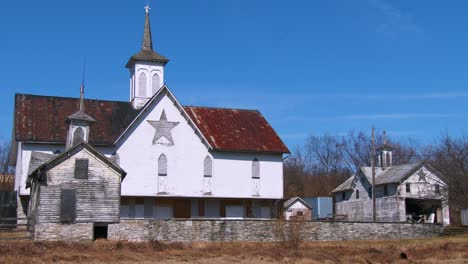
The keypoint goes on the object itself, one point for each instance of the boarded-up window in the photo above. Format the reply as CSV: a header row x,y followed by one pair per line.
x,y
142,85
208,167
408,187
156,83
78,136
162,165
255,169
81,168
68,205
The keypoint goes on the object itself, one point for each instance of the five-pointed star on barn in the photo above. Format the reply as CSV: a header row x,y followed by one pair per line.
x,y
163,128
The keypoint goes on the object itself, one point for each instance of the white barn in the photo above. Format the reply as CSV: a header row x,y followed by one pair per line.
x,y
181,161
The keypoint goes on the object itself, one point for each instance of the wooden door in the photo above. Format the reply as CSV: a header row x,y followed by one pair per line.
x,y
182,208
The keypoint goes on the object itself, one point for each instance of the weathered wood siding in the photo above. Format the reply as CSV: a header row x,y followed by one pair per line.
x,y
97,198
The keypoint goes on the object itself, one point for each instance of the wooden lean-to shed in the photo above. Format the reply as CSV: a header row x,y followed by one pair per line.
x,y
74,195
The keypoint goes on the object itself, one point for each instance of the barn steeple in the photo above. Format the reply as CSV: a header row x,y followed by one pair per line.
x,y
78,124
385,153
146,68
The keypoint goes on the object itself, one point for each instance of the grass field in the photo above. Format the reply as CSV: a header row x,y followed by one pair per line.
x,y
433,250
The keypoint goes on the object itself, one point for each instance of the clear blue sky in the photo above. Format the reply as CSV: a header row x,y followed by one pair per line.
x,y
309,66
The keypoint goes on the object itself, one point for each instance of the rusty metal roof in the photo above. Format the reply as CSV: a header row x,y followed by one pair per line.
x,y
42,119
236,129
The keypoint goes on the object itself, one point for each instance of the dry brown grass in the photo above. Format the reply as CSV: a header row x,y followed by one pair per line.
x,y
434,250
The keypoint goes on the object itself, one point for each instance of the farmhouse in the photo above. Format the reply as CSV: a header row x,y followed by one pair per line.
x,y
88,163
412,192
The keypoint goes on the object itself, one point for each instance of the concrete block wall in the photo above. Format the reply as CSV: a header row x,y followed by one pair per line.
x,y
263,230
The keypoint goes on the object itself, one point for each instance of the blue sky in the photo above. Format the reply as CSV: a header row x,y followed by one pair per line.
x,y
311,67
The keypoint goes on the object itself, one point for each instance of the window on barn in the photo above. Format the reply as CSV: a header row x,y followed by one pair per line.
x,y
78,136
255,169
207,175
162,165
68,205
208,167
142,85
357,194
437,188
155,83
255,177
343,195
408,187
162,174
385,189
81,168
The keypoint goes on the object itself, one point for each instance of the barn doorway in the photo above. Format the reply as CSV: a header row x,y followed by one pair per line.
x,y
424,210
100,231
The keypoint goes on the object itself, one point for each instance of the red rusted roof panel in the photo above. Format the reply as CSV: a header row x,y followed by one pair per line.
x,y
236,130
43,118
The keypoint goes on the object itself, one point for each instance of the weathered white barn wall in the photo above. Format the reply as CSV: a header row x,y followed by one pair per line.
x,y
232,172
263,230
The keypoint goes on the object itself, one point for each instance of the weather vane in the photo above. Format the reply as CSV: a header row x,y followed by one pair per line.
x,y
147,7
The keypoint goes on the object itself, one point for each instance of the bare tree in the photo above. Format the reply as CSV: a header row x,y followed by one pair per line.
x,y
449,156
6,171
326,161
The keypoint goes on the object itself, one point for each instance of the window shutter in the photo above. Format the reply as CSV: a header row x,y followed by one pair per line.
x,y
81,168
68,205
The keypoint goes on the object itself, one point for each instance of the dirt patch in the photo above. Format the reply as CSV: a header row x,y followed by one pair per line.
x,y
434,250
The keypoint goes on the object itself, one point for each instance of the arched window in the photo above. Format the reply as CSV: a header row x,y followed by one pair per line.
x,y
155,83
142,85
78,136
162,165
255,169
208,167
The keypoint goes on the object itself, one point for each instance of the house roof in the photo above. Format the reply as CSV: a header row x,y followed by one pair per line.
x,y
37,159
293,200
57,159
346,185
394,174
236,129
41,119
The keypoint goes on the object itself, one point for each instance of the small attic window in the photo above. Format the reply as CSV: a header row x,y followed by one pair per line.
x,y
81,168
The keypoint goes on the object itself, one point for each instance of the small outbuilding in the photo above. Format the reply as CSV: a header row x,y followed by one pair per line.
x,y
297,209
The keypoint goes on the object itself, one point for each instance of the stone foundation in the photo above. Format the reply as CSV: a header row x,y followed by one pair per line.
x,y
263,230
68,232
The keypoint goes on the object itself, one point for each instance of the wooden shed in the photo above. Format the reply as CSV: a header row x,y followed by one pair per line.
x,y
74,195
